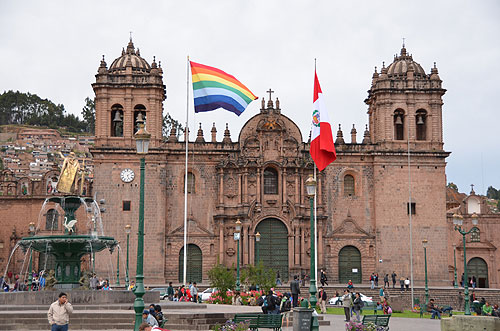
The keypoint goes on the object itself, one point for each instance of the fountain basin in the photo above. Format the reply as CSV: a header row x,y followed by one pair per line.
x,y
68,251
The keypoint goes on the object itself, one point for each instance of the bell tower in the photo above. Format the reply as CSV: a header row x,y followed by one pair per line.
x,y
405,104
129,92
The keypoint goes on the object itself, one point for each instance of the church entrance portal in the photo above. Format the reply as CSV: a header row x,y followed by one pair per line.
x,y
349,265
273,246
478,268
194,264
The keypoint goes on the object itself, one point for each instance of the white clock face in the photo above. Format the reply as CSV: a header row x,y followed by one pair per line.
x,y
127,175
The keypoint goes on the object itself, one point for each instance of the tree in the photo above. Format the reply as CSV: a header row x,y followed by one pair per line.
x,y
259,275
453,186
88,113
493,193
168,123
222,279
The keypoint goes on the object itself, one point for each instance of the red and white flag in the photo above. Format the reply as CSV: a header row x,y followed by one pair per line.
x,y
322,149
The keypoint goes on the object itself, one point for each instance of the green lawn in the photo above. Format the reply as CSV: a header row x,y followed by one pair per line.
x,y
405,314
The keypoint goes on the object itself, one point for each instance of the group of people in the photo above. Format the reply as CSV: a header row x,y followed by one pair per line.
x,y
353,303
99,283
153,316
183,293
12,283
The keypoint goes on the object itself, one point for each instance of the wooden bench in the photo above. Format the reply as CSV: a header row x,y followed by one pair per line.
x,y
378,320
371,306
261,321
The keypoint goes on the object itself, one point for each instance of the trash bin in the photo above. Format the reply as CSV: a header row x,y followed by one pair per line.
x,y
302,318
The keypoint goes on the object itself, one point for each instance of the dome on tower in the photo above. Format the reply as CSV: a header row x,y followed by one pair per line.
x,y
131,57
404,63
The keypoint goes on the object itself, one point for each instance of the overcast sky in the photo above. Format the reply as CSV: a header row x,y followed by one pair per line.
x,y
53,49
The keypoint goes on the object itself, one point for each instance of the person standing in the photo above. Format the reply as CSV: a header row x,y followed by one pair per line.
x,y
94,282
372,281
346,303
356,307
278,278
386,281
194,292
323,278
407,284
58,314
393,276
376,279
295,289
402,283
322,300
170,292
381,294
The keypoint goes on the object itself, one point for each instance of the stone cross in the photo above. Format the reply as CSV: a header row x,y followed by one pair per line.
x,y
270,91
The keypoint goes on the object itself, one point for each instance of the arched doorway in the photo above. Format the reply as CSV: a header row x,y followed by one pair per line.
x,y
350,265
478,268
194,264
272,249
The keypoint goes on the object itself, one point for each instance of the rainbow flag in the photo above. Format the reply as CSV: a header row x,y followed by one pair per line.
x,y
213,89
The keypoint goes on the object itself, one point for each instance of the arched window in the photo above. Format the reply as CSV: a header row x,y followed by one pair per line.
x,y
191,183
349,186
475,235
399,126
139,109
270,181
421,124
51,220
117,121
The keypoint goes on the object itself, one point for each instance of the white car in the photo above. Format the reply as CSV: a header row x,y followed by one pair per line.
x,y
207,293
338,300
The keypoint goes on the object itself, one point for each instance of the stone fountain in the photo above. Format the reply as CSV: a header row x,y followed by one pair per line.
x,y
69,248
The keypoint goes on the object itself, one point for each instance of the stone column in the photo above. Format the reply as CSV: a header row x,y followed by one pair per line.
x,y
221,186
240,197
244,244
321,262
259,199
221,241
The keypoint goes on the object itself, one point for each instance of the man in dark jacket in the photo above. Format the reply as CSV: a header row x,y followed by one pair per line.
x,y
295,289
322,298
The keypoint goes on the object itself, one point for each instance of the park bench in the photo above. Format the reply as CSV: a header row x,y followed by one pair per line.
x,y
371,306
261,321
378,320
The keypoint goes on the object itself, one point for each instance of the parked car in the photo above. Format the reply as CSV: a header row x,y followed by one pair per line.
x,y
338,300
205,295
162,290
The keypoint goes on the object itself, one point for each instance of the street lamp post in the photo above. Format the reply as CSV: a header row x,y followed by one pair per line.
x,y
424,243
127,231
118,265
458,222
257,256
237,238
455,283
142,145
31,229
311,192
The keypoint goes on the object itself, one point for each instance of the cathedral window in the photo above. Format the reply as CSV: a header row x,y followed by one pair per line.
x,y
399,127
117,121
190,183
421,124
349,186
270,181
126,205
475,235
139,116
411,207
51,220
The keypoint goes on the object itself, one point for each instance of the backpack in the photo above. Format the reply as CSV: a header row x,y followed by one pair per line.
x,y
269,303
286,306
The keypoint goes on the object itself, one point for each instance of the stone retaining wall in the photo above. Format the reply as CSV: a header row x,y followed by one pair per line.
x,y
75,297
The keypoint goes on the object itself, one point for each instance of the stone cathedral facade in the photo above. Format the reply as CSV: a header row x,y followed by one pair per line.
x,y
258,176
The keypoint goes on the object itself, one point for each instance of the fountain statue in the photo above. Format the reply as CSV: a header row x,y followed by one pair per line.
x,y
70,247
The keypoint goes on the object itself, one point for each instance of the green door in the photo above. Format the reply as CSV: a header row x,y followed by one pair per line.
x,y
272,249
194,264
349,265
477,267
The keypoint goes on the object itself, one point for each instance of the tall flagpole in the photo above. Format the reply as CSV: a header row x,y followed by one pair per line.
x,y
186,135
315,215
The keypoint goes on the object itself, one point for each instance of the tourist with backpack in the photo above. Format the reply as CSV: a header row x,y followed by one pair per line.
x,y
271,303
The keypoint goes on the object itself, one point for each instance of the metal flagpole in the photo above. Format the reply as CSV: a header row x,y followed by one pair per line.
x,y
410,212
315,228
186,135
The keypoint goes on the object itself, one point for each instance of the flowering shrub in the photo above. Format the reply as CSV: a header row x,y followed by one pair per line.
x,y
355,326
231,326
217,298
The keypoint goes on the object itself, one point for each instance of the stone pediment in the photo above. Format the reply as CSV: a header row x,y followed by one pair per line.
x,y
482,245
350,229
193,229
